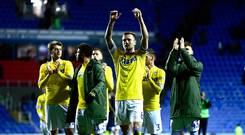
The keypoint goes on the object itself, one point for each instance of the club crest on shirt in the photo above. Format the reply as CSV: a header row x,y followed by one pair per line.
x,y
62,68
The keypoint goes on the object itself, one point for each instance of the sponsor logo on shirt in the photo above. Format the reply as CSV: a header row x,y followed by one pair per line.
x,y
125,61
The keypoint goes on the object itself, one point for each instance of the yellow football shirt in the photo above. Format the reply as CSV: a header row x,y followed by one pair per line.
x,y
109,78
109,83
129,69
56,85
40,107
152,88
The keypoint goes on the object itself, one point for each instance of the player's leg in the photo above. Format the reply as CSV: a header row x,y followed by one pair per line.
x,y
126,129
193,127
205,124
153,122
121,116
135,110
100,128
177,126
61,112
200,126
68,131
84,125
43,128
51,119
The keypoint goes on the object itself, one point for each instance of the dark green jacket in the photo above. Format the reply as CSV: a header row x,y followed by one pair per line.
x,y
94,81
185,98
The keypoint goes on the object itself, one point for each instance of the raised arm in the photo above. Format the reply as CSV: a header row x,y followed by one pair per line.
x,y
114,15
143,29
171,63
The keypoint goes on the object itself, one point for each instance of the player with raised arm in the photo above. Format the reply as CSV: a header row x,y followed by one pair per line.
x,y
185,101
130,68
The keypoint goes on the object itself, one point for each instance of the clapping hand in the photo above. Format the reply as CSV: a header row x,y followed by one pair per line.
x,y
49,69
147,72
175,44
57,65
56,68
182,43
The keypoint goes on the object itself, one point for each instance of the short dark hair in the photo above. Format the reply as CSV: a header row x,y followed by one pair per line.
x,y
85,49
188,44
151,52
53,43
98,49
131,33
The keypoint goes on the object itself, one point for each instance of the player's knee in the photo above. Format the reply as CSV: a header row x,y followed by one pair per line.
x,y
125,129
137,125
137,128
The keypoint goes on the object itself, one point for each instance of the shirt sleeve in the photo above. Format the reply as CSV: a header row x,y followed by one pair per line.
x,y
43,76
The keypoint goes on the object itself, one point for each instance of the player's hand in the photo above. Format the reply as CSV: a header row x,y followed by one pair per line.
x,y
50,71
147,72
104,65
182,43
114,15
137,13
89,98
57,65
175,44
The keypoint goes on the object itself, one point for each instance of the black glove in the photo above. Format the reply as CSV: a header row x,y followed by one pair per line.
x,y
90,97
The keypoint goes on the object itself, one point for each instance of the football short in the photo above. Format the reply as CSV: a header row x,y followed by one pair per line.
x,y
56,116
152,122
182,123
128,111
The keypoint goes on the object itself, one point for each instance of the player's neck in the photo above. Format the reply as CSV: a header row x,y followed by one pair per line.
x,y
55,59
86,60
129,51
